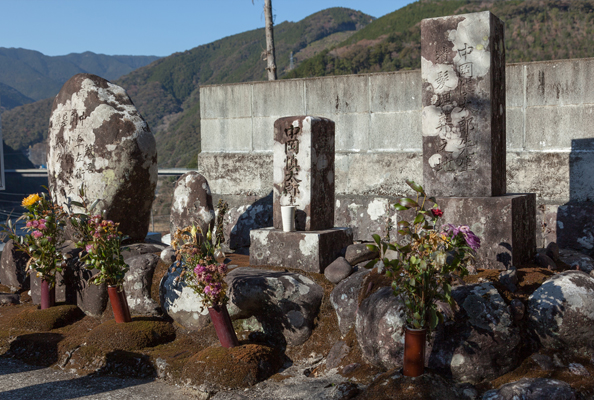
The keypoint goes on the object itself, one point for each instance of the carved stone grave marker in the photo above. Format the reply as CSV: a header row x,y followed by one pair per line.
x,y
304,171
463,115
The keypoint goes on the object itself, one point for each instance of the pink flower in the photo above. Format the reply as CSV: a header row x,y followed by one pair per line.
x,y
29,224
207,289
37,234
89,247
35,224
41,226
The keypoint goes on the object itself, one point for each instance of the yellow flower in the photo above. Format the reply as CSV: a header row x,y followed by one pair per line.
x,y
32,199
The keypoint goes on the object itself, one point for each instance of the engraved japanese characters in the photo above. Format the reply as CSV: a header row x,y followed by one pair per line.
x,y
304,171
463,115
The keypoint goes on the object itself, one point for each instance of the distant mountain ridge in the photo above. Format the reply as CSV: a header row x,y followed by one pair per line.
x,y
331,42
37,76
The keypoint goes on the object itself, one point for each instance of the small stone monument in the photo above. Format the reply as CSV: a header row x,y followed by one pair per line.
x,y
463,125
303,178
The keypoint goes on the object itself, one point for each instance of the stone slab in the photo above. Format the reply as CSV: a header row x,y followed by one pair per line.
x,y
304,171
309,251
463,97
506,226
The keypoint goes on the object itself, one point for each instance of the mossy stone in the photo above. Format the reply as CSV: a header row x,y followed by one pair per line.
x,y
135,335
218,368
46,320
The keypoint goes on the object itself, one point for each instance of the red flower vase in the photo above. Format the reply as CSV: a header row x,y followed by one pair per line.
x,y
119,304
48,294
414,352
223,326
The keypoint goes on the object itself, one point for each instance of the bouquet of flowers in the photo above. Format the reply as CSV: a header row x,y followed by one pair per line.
x,y
427,261
45,226
202,263
102,241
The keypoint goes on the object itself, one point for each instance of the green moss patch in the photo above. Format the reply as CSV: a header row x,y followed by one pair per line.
x,y
135,335
394,386
36,348
218,368
33,320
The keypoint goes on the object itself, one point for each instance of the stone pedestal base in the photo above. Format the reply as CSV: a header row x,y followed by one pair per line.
x,y
506,226
310,251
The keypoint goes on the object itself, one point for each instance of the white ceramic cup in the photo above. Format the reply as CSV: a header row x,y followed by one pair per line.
x,y
288,214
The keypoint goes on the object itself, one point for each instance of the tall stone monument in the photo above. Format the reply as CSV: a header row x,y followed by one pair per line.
x,y
98,138
463,125
304,178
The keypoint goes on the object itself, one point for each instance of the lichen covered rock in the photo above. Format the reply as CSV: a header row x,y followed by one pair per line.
x,y
481,341
181,303
532,389
284,303
192,203
98,137
561,312
380,326
13,268
137,284
345,300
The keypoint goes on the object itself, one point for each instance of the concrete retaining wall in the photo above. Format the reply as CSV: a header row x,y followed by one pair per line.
x,y
550,140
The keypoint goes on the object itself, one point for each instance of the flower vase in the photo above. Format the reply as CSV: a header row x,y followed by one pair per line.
x,y
48,294
223,326
119,304
414,352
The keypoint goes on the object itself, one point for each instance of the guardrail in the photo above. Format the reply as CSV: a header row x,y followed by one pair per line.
x,y
39,173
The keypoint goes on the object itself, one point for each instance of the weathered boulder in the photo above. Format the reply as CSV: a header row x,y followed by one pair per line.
x,y
282,302
481,341
561,312
192,203
243,218
509,278
137,249
532,389
338,351
137,284
577,260
338,270
345,300
9,299
98,137
168,255
13,268
544,261
358,253
180,302
380,326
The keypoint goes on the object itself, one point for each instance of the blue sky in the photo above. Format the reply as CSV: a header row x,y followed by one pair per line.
x,y
149,27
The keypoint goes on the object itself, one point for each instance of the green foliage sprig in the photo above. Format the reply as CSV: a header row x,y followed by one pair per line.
x,y
425,265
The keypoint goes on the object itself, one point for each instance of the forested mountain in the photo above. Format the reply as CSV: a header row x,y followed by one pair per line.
x,y
166,91
330,42
535,30
37,76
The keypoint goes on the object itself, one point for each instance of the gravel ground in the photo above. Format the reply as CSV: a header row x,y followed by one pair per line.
x,y
19,381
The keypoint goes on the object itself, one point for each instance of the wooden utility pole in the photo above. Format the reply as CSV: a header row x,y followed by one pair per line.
x,y
269,41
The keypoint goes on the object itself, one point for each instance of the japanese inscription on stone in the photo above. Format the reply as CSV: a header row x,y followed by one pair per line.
x,y
463,119
291,183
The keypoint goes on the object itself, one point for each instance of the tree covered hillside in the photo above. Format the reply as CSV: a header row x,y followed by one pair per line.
x,y
535,30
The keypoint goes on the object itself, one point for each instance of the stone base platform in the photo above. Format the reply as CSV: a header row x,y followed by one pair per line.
x,y
506,226
310,251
